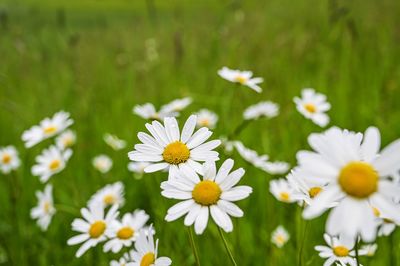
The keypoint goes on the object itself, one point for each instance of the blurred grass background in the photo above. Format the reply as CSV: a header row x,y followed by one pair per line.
x,y
91,58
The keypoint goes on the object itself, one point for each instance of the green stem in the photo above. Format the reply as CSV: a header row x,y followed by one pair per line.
x,y
193,245
302,244
356,249
226,247
239,129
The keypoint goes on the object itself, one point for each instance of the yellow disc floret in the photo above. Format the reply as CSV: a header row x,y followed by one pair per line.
x,y
97,229
206,193
176,153
54,165
314,191
125,232
49,130
284,196
241,79
6,158
148,259
310,108
358,179
109,199
341,251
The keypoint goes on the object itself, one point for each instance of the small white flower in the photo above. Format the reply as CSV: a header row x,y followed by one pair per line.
x,y
94,229
45,210
167,148
145,253
251,156
275,168
241,77
47,128
206,118
114,142
176,106
227,144
267,109
313,106
282,190
66,139
137,167
147,111
122,261
102,163
369,250
109,195
50,162
123,233
213,194
9,159
280,236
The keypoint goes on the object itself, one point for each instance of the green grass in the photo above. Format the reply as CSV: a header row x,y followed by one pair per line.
x,y
88,58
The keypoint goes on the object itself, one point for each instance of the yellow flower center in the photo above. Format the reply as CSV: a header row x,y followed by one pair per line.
x,y
341,251
6,158
314,191
206,193
377,213
55,164
97,229
46,207
68,142
125,233
284,196
358,179
49,130
176,153
109,199
241,79
204,122
280,239
148,259
310,107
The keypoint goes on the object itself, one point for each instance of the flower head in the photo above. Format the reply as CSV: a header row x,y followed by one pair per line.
x,y
266,109
102,163
45,210
114,142
241,77
313,106
109,195
206,118
280,236
66,139
9,159
282,190
176,106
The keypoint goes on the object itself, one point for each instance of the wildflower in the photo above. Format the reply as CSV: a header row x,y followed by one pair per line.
x,y
282,190
262,109
280,236
241,77
45,210
313,106
109,195
102,163
66,139
114,142
9,159
206,118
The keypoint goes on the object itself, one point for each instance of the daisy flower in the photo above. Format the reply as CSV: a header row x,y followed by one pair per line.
x,y
102,163
9,159
206,118
282,190
313,105
166,148
227,144
47,128
123,233
50,162
66,139
145,253
262,109
357,174
137,167
109,195
148,111
93,229
241,77
280,236
369,250
213,194
251,156
45,210
275,168
114,142
176,106
386,225
339,250
123,261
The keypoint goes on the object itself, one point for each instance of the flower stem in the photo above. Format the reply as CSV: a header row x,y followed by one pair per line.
x,y
226,247
193,245
302,243
239,128
356,249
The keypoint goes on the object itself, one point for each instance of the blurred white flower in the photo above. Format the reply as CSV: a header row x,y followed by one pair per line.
x,y
227,144
66,139
282,190
369,250
45,210
241,77
109,195
95,227
50,162
9,159
213,194
102,163
280,236
147,111
114,142
176,106
172,109
251,156
47,128
206,118
275,168
137,167
267,109
313,106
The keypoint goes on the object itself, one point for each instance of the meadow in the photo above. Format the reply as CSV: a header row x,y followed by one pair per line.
x,y
91,58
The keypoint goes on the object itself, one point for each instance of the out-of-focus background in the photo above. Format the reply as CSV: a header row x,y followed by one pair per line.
x,y
97,59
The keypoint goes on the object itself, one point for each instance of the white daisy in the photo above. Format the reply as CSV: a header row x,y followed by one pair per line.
x,y
386,225
339,250
94,229
123,233
148,111
369,250
280,236
47,128
357,175
123,261
114,142
282,190
45,210
9,159
206,118
145,253
66,139
214,194
227,144
102,163
168,149
50,162
109,195
251,156
176,106
241,77
313,106
267,109
275,168
137,167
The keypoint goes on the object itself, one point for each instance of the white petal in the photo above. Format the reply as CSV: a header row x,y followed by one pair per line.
x,y
389,160
221,218
201,221
371,144
188,128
